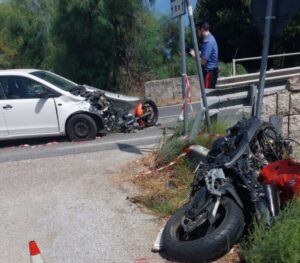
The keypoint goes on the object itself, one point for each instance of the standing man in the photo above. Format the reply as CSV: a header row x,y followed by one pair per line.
x,y
209,55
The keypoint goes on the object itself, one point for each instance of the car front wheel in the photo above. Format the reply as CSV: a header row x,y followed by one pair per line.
x,y
81,127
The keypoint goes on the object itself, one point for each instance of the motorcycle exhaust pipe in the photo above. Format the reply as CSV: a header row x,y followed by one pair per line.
x,y
272,195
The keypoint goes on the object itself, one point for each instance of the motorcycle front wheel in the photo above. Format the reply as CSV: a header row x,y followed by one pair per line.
x,y
207,242
150,108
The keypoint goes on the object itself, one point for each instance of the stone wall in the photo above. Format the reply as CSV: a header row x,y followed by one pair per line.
x,y
172,91
286,104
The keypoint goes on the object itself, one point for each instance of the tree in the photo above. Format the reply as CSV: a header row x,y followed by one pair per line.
x,y
148,3
109,44
95,38
232,24
24,34
288,42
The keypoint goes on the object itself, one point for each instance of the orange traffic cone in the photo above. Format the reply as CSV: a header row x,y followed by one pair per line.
x,y
35,254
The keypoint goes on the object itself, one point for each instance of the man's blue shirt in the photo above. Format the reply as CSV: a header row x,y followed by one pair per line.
x,y
210,52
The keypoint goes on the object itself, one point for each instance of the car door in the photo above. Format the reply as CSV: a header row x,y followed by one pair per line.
x,y
3,127
26,111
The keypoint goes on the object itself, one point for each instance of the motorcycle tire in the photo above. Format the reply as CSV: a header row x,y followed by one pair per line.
x,y
208,247
153,118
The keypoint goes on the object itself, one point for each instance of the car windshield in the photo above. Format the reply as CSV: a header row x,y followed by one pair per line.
x,y
55,80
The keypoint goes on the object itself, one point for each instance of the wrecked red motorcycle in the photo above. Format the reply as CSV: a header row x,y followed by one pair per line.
x,y
248,172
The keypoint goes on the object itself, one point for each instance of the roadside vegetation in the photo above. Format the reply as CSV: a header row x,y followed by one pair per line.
x,y
280,244
118,45
174,146
165,191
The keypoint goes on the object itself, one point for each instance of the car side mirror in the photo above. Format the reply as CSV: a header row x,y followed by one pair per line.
x,y
46,95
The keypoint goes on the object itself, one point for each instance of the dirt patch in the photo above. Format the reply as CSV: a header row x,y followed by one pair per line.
x,y
232,257
165,191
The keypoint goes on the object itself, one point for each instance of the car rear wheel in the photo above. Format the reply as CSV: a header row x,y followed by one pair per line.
x,y
81,127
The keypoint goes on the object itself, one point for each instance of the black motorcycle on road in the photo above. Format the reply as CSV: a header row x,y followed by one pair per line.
x,y
119,111
227,189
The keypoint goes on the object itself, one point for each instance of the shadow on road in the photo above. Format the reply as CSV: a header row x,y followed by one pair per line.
x,y
132,149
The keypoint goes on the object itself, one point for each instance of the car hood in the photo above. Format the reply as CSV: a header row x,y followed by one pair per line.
x,y
113,96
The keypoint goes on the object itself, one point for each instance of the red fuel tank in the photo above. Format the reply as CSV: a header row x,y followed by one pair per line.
x,y
285,174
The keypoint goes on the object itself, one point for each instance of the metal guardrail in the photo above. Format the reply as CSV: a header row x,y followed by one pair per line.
x,y
253,79
238,95
233,99
219,100
235,93
234,61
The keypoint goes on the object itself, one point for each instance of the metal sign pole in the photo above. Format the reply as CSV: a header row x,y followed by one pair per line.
x,y
183,76
198,60
178,10
264,62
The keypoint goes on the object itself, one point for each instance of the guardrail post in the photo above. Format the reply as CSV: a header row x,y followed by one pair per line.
x,y
233,67
277,122
197,123
253,98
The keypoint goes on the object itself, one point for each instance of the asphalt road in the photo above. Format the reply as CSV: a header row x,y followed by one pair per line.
x,y
72,199
76,208
43,148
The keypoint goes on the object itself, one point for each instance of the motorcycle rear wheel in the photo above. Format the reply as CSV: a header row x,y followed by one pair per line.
x,y
200,247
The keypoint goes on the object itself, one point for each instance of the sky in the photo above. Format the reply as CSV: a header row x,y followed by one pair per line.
x,y
164,6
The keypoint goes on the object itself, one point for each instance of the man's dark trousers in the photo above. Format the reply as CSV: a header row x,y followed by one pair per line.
x,y
210,78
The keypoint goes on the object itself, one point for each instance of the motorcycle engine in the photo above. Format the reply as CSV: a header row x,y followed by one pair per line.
x,y
270,147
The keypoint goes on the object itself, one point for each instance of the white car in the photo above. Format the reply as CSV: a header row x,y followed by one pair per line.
x,y
37,103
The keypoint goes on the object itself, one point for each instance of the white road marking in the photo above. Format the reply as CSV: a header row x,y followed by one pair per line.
x,y
170,116
110,142
169,106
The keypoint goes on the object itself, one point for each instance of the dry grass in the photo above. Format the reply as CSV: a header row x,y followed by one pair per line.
x,y
232,257
163,192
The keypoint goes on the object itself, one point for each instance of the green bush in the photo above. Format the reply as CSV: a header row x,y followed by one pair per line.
x,y
280,244
217,127
170,150
225,69
174,146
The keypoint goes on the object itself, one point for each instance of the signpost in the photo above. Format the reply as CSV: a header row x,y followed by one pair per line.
x,y
264,61
178,9
199,66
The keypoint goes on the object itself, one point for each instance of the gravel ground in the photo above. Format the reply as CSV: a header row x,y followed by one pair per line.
x,y
75,211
